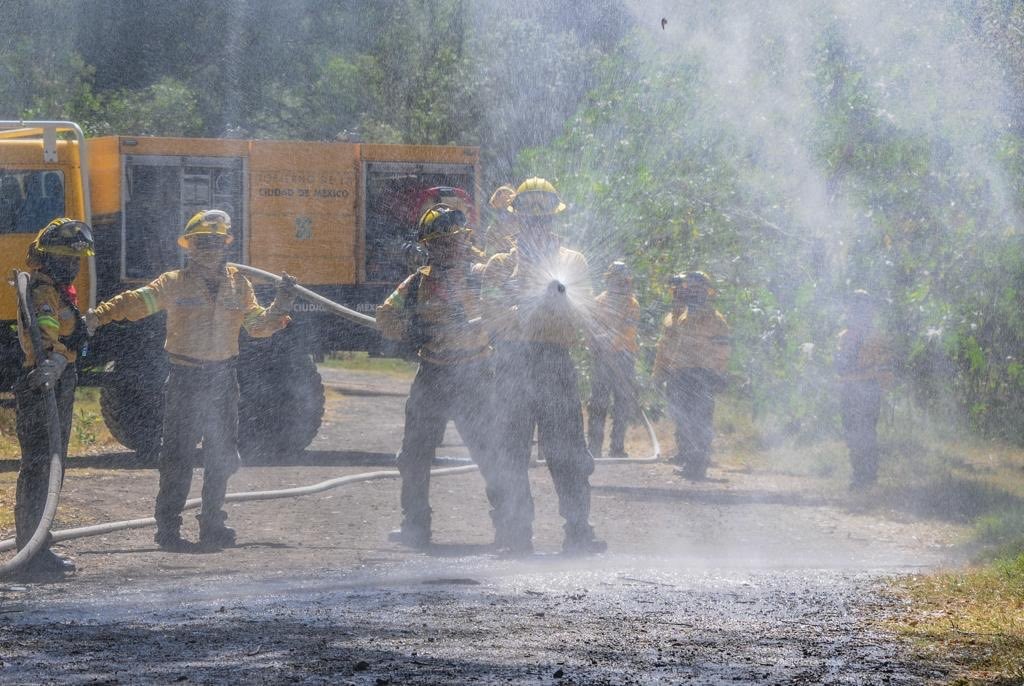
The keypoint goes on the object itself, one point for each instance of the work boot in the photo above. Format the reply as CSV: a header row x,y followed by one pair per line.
x,y
415,535
581,540
45,566
213,533
618,452
509,543
171,541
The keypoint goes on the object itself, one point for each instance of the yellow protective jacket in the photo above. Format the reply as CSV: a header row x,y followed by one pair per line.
x,y
863,357
618,316
54,314
201,327
693,340
520,305
431,310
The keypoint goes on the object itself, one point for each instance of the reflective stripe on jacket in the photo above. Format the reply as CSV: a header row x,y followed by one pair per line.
x,y
55,317
201,327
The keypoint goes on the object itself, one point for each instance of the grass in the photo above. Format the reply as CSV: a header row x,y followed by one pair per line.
x,y
362,362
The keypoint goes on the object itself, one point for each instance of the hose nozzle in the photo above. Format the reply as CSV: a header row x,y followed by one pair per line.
x,y
556,286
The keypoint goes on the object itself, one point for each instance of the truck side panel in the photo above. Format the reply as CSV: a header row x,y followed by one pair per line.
x,y
303,210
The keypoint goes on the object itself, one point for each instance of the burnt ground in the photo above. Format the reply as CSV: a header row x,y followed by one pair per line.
x,y
748,577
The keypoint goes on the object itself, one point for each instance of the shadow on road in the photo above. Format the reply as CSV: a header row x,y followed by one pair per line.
x,y
307,458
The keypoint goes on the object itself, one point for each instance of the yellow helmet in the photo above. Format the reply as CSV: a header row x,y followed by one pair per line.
x,y
207,223
439,221
63,237
536,197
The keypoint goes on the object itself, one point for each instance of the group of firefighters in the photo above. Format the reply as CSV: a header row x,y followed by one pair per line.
x,y
493,331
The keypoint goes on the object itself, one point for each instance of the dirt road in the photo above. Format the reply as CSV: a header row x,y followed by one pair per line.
x,y
746,577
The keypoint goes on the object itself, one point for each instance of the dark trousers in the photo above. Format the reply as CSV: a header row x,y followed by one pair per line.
x,y
691,405
33,436
612,384
460,392
860,403
200,404
537,388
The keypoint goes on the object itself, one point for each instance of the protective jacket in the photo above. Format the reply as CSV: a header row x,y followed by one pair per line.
x,y
693,340
202,326
521,300
863,357
60,322
619,315
431,310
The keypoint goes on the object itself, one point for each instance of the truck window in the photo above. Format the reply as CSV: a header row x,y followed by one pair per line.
x,y
162,193
29,200
393,193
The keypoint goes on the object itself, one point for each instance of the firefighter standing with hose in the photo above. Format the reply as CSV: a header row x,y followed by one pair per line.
x,y
501,234
430,312
54,258
864,365
690,361
207,304
613,376
533,296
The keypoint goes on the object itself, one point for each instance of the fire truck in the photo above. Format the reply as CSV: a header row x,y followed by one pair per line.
x,y
336,215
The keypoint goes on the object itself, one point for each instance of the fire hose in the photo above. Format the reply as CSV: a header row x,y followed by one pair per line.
x,y
249,496
53,435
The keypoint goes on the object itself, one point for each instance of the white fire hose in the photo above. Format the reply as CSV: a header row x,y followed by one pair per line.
x,y
248,496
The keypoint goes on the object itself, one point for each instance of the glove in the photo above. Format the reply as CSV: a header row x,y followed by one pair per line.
x,y
286,295
48,371
92,322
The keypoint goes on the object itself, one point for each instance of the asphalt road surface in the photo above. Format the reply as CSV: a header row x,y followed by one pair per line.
x,y
747,577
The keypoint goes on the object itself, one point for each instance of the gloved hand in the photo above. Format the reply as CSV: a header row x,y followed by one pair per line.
x,y
286,295
92,321
48,371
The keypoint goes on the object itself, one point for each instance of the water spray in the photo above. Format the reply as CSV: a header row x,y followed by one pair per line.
x,y
554,286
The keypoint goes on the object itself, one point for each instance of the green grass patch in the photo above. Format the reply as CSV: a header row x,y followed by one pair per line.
x,y
363,362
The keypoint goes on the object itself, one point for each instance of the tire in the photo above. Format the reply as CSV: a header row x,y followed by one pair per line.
x,y
132,404
281,401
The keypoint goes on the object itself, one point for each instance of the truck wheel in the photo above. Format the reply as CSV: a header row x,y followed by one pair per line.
x,y
132,403
281,401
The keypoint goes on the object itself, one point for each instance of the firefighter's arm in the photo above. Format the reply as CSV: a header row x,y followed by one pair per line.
x,y
46,303
259,321
132,305
393,314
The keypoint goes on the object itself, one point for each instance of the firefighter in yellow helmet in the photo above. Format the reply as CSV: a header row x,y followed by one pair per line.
x,y
533,298
864,366
690,361
501,234
54,259
613,376
435,312
207,303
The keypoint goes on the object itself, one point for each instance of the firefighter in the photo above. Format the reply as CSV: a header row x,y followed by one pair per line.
x,y
614,361
54,258
690,361
864,366
430,312
533,296
207,303
501,234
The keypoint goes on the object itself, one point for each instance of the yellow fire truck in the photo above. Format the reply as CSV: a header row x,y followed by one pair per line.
x,y
337,216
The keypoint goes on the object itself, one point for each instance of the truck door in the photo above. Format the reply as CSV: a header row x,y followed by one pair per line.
x,y
392,194
161,193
